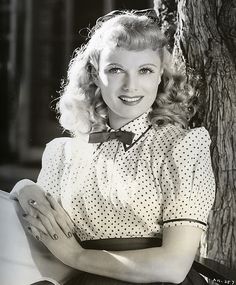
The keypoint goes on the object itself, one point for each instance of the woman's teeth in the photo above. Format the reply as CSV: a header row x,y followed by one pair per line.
x,y
129,99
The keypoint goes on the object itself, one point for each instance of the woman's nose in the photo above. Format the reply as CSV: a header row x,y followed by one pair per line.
x,y
130,83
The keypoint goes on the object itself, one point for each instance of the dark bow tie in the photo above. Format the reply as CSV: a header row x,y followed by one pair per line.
x,y
123,136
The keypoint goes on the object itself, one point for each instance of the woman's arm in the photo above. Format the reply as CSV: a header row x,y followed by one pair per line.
x,y
169,263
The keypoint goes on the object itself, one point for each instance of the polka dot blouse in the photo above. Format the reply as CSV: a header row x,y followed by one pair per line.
x,y
112,190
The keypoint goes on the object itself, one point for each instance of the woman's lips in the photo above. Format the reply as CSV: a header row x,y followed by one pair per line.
x,y
130,100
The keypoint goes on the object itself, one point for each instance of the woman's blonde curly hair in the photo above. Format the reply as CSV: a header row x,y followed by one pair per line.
x,y
81,107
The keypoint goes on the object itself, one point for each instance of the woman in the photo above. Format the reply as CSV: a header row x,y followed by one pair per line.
x,y
135,181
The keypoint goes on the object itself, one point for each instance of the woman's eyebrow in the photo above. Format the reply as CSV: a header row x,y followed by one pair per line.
x,y
114,63
149,64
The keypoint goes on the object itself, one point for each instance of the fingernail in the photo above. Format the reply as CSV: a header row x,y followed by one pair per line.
x,y
32,202
69,234
55,236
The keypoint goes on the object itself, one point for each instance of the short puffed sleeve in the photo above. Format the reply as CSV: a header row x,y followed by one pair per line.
x,y
187,181
53,164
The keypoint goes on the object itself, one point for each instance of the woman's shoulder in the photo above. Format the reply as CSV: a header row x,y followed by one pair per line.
x,y
68,148
175,136
196,136
57,144
55,148
61,141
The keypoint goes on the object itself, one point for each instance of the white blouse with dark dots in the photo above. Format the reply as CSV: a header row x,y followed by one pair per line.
x,y
111,190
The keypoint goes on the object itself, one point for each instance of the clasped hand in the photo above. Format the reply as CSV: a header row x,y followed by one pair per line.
x,y
48,222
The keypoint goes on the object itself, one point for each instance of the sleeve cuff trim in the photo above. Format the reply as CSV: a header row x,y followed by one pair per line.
x,y
189,220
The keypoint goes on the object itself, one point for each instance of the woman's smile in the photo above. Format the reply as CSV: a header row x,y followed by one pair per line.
x,y
130,101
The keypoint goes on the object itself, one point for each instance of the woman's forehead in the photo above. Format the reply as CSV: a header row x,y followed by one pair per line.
x,y
122,56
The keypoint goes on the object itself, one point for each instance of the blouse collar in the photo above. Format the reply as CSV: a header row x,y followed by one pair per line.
x,y
139,126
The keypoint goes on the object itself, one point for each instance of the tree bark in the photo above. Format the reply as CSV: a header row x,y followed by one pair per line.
x,y
205,50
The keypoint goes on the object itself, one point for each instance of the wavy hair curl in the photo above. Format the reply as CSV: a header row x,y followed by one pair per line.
x,y
81,107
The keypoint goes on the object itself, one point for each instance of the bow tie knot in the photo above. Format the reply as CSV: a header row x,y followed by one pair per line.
x,y
123,136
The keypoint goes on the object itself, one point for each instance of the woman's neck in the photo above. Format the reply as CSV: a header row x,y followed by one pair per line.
x,y
116,122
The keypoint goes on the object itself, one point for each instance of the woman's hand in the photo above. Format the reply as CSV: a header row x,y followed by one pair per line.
x,y
65,248
32,196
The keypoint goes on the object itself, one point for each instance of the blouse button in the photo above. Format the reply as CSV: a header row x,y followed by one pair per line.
x,y
160,222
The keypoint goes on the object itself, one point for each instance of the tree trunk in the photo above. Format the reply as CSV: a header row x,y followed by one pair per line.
x,y
205,50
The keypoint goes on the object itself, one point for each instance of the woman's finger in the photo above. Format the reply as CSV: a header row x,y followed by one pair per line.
x,y
55,205
48,226
35,222
68,222
32,212
62,222
52,201
34,232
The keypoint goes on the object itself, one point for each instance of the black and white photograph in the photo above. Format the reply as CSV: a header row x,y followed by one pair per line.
x,y
118,139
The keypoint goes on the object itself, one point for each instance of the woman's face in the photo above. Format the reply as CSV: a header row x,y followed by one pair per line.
x,y
128,81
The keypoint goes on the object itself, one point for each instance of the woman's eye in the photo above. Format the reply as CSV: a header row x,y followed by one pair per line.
x,y
115,70
145,70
